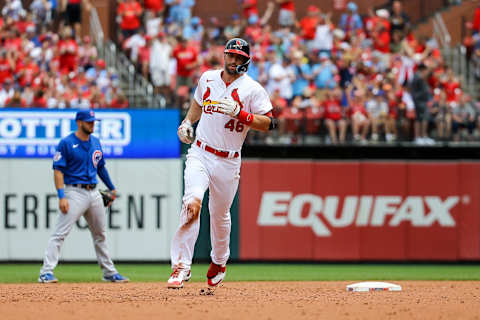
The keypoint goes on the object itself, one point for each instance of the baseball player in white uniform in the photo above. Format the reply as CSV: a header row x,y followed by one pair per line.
x,y
227,103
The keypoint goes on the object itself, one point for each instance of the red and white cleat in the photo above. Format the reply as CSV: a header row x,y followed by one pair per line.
x,y
177,278
215,274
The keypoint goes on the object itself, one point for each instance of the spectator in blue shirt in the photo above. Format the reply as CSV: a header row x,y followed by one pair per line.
x,y
303,74
351,21
194,30
180,10
324,73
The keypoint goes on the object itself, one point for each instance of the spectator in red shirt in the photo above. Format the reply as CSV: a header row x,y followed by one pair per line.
x,y
67,48
129,12
381,33
7,66
26,71
16,101
286,14
25,23
476,20
309,23
358,114
13,41
451,86
187,60
382,39
253,31
39,100
152,7
393,117
250,8
119,101
334,117
144,55
97,100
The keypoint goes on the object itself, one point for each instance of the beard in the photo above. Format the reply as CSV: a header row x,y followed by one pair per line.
x,y
86,129
230,72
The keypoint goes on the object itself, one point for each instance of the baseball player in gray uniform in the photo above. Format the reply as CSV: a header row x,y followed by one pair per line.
x,y
77,161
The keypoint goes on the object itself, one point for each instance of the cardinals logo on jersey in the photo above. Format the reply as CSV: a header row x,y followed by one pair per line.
x,y
206,94
209,106
236,98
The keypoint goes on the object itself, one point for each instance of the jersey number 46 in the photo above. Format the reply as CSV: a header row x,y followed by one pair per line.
x,y
234,125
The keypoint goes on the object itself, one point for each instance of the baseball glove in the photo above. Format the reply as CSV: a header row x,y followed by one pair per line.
x,y
107,197
185,132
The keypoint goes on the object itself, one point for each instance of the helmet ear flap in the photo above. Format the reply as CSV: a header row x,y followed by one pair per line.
x,y
243,67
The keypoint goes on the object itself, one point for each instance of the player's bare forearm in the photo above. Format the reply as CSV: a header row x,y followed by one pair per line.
x,y
261,123
194,113
58,179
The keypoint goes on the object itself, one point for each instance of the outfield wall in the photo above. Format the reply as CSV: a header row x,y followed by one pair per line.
x,y
140,224
305,210
142,155
360,210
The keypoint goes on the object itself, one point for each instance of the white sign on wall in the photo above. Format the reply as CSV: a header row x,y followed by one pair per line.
x,y
140,224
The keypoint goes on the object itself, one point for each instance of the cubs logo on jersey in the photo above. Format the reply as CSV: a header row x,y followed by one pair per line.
x,y
96,157
57,156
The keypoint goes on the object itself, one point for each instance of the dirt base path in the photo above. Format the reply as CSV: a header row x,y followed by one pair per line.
x,y
239,300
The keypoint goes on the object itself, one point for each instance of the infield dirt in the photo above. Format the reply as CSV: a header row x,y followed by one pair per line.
x,y
239,300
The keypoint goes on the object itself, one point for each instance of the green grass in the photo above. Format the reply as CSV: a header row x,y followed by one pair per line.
x,y
24,273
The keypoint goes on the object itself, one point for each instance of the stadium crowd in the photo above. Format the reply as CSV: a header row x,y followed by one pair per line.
x,y
45,68
361,78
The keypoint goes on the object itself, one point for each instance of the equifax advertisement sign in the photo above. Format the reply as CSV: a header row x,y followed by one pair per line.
x,y
307,210
34,133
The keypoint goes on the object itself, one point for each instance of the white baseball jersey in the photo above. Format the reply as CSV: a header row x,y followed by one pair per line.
x,y
221,131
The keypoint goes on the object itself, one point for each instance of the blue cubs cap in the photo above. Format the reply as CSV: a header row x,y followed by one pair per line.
x,y
86,115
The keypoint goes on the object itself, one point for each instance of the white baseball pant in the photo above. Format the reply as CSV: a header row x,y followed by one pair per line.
x,y
88,203
221,176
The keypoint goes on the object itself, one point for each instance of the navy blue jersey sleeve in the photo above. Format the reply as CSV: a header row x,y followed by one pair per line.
x,y
60,157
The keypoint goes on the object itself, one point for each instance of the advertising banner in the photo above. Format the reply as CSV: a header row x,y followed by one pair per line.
x,y
360,210
140,224
34,133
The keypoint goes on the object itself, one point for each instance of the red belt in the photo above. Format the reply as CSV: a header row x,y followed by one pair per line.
x,y
223,154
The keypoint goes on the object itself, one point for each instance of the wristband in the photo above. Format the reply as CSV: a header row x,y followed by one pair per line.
x,y
245,117
61,193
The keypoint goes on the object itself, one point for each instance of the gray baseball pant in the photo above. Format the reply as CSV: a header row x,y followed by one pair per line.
x,y
88,203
